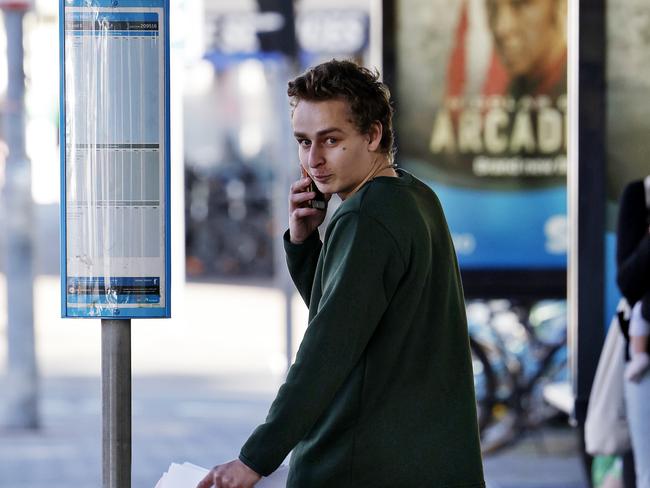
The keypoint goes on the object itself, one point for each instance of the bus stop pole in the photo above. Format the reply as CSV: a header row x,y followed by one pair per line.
x,y
116,403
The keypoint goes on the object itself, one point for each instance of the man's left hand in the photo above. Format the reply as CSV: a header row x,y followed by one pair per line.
x,y
234,474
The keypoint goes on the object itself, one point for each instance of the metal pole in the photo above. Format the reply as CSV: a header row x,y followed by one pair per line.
x,y
22,395
282,41
116,403
286,173
288,296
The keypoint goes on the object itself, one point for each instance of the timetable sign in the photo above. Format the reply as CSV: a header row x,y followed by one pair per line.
x,y
115,212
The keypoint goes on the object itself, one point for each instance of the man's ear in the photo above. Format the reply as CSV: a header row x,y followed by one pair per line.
x,y
374,136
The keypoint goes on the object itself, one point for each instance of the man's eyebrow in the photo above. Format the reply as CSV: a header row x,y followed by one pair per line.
x,y
321,132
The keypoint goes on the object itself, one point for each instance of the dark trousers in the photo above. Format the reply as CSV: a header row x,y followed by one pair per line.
x,y
629,477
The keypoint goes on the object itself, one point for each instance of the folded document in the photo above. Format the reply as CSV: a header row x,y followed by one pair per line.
x,y
188,475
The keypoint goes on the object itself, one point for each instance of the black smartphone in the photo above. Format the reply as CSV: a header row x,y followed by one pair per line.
x,y
318,202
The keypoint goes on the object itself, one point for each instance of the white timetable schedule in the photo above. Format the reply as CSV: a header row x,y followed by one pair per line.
x,y
115,161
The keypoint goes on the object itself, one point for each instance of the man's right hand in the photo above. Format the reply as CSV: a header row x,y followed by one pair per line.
x,y
303,220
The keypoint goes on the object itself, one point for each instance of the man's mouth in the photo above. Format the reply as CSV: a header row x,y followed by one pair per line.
x,y
321,178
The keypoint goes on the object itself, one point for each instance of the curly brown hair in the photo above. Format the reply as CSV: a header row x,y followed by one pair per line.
x,y
367,97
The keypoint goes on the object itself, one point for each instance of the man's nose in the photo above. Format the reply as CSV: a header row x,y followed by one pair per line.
x,y
316,156
504,20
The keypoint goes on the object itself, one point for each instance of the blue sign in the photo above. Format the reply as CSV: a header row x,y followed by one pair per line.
x,y
115,158
523,229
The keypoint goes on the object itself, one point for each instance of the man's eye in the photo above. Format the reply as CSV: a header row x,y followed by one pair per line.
x,y
304,142
330,140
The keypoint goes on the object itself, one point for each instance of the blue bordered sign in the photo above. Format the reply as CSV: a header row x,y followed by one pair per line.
x,y
115,160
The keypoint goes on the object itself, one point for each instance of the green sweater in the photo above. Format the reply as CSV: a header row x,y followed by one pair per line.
x,y
381,393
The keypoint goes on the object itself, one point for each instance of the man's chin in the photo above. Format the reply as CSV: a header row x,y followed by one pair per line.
x,y
515,69
326,188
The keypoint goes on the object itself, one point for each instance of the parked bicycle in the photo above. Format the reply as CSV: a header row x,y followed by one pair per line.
x,y
516,350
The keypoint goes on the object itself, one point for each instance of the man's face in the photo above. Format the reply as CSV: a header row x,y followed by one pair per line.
x,y
331,149
524,32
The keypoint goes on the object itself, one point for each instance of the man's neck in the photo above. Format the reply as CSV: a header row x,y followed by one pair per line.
x,y
381,167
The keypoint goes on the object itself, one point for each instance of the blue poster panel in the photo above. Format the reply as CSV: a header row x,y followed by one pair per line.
x,y
115,259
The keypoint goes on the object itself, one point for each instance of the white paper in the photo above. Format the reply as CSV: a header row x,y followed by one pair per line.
x,y
188,475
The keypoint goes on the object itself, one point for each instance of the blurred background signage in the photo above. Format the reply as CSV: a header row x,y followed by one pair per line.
x,y
318,31
333,31
16,4
238,32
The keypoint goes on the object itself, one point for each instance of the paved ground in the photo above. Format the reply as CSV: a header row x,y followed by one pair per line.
x,y
201,420
205,420
202,381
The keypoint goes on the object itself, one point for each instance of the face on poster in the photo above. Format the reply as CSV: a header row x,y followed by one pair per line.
x,y
482,118
115,160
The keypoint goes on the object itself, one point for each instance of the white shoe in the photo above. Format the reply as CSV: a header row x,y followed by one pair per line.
x,y
638,365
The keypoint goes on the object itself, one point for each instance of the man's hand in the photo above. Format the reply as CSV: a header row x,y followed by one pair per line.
x,y
234,474
303,220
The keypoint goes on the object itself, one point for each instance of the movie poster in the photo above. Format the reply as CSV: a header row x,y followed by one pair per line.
x,y
482,118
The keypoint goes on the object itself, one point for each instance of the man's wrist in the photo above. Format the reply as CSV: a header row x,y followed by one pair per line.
x,y
252,465
299,246
298,242
295,241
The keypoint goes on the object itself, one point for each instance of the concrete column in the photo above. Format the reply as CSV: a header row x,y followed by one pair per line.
x,y
21,399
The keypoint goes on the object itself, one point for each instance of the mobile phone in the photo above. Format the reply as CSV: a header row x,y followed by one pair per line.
x,y
318,202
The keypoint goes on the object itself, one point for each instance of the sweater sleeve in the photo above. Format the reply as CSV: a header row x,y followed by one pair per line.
x,y
301,261
361,270
633,244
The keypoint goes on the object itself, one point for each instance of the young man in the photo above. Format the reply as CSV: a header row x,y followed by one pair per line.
x,y
381,393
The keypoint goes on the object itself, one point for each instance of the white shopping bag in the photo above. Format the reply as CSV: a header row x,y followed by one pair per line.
x,y
188,475
606,429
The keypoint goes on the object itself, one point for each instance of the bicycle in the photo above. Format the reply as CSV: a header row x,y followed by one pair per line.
x,y
516,350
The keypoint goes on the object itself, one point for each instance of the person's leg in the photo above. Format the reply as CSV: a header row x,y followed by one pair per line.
x,y
637,399
629,476
639,325
639,358
645,307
